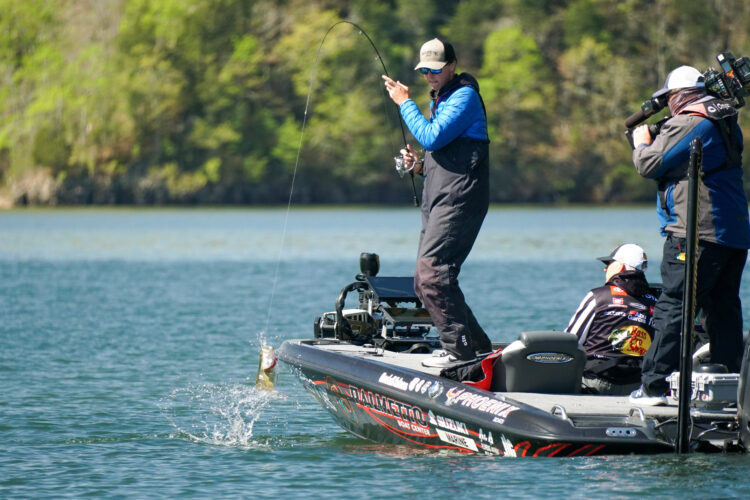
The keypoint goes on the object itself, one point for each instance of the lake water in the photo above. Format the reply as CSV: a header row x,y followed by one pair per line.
x,y
130,339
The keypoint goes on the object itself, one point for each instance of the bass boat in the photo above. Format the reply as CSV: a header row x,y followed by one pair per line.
x,y
364,366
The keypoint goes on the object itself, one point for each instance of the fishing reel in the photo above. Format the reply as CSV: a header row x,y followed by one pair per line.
x,y
401,167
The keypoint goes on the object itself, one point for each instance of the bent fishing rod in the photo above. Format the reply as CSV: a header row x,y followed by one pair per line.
x,y
299,150
385,71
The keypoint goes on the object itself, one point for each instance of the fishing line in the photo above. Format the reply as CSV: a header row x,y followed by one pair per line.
x,y
299,151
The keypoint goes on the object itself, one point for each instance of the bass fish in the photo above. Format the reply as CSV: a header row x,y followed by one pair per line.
x,y
266,378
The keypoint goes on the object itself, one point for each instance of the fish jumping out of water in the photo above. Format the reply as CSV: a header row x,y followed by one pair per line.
x,y
266,378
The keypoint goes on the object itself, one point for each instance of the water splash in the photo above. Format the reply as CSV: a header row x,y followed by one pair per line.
x,y
218,414
260,340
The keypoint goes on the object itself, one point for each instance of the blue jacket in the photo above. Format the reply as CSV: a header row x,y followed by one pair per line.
x,y
456,111
723,216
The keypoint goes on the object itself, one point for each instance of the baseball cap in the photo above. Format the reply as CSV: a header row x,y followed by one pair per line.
x,y
435,54
629,254
681,78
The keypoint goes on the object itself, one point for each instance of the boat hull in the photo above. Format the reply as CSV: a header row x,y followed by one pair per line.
x,y
386,403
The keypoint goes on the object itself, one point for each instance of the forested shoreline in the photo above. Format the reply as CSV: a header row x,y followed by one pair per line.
x,y
156,102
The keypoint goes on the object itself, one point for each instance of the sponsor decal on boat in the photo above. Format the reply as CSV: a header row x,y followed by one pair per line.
x,y
447,423
485,404
416,384
406,416
326,401
344,407
435,390
550,357
508,449
393,381
422,386
486,436
488,449
422,428
486,443
456,440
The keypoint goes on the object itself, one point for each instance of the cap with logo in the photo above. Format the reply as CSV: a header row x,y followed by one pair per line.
x,y
629,254
683,77
435,54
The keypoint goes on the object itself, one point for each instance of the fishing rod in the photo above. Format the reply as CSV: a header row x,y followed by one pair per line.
x,y
299,150
385,71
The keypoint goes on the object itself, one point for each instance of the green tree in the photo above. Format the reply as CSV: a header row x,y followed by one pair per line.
x,y
188,101
352,132
520,99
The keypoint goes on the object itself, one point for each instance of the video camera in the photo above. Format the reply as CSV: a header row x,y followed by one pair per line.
x,y
732,83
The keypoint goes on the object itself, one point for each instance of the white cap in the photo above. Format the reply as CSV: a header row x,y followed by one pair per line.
x,y
435,54
629,254
683,77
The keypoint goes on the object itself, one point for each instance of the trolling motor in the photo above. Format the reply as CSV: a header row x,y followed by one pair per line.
x,y
389,315
369,265
732,84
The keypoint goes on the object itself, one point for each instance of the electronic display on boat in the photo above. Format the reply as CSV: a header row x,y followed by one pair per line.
x,y
393,289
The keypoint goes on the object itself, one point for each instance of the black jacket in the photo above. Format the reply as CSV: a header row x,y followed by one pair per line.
x,y
614,324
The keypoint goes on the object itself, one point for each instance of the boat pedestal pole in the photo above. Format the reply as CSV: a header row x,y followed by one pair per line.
x,y
688,297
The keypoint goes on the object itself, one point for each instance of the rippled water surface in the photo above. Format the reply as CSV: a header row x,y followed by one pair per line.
x,y
130,342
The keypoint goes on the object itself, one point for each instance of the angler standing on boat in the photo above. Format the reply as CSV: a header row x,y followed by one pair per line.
x,y
723,228
455,196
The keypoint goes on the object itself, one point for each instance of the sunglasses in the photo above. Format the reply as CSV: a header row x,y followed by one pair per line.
x,y
424,71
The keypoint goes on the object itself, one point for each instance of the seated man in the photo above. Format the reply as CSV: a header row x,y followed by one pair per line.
x,y
614,323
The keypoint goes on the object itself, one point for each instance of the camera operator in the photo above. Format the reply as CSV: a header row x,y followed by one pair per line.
x,y
723,228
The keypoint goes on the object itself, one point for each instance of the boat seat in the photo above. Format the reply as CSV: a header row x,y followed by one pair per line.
x,y
548,362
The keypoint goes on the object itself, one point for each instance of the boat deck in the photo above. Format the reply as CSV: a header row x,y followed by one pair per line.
x,y
583,404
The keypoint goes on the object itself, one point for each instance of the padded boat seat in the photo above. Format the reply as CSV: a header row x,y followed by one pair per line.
x,y
544,361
